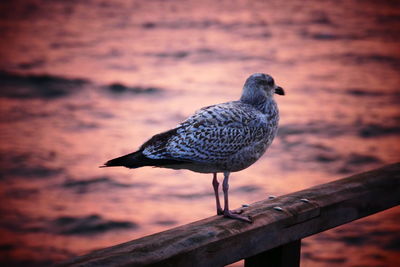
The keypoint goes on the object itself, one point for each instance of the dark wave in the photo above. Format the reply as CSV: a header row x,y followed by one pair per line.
x,y
385,239
63,225
320,128
320,17
376,130
95,183
354,58
30,86
247,189
166,222
361,92
119,88
21,193
388,19
88,225
201,24
373,58
20,86
327,259
393,244
302,153
174,55
31,64
25,171
333,130
85,183
356,91
353,162
188,196
25,165
329,36
65,44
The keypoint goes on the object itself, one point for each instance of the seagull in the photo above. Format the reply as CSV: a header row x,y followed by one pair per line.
x,y
222,138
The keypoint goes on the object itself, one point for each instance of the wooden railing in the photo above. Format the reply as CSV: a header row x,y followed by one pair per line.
x,y
273,239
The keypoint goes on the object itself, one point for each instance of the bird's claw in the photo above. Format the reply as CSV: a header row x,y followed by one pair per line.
x,y
232,215
237,211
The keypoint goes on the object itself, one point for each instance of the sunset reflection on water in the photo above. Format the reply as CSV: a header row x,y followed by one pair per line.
x,y
83,82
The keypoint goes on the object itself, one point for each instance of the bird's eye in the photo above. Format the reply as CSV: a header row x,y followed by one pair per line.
x,y
268,82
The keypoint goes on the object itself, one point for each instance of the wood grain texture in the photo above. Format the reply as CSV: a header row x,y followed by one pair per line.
x,y
218,241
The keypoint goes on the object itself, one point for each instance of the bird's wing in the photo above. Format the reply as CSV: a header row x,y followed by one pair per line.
x,y
156,147
213,133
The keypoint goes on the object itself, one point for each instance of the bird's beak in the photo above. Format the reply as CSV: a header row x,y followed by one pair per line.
x,y
279,91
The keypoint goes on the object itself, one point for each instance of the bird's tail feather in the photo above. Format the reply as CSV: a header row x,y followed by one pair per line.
x,y
138,159
132,160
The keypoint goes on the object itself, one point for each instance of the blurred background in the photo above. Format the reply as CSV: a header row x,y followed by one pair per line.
x,y
82,82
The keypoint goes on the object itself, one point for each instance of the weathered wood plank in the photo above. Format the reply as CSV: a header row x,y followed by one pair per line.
x,y
217,241
287,255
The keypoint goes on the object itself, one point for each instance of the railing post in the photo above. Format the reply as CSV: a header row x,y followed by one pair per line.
x,y
287,255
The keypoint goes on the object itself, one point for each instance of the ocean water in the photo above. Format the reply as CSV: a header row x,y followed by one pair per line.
x,y
82,82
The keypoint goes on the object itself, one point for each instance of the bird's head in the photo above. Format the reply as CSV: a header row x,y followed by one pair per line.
x,y
258,87
263,82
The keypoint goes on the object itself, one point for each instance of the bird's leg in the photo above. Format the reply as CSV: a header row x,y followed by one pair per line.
x,y
215,184
228,213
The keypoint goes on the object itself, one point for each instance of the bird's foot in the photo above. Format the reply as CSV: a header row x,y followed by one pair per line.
x,y
236,211
235,215
220,212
